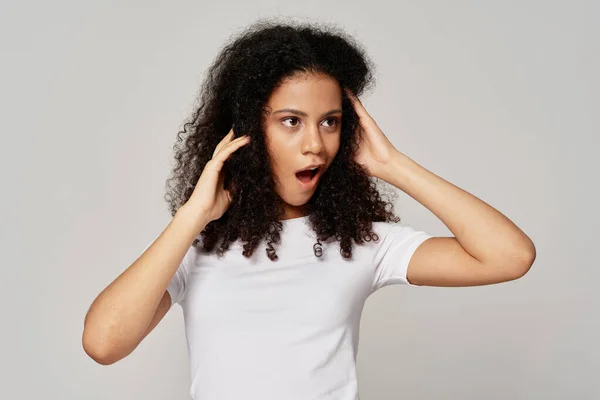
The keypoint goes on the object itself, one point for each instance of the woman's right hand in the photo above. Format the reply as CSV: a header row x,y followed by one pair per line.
x,y
210,196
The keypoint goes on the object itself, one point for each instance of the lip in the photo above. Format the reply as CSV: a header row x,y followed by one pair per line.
x,y
313,182
310,166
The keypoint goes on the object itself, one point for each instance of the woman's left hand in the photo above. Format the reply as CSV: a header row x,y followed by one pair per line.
x,y
375,150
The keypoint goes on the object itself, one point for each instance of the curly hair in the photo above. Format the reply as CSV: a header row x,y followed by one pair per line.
x,y
234,93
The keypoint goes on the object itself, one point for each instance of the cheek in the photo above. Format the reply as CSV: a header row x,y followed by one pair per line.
x,y
333,145
280,154
279,144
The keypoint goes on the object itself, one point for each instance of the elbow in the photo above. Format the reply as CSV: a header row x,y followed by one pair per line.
x,y
529,257
98,348
523,263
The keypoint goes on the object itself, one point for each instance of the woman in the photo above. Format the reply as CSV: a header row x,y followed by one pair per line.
x,y
280,155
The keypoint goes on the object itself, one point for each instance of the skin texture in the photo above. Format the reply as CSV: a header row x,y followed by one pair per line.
x,y
295,141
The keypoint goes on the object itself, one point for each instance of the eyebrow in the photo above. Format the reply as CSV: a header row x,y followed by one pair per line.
x,y
293,111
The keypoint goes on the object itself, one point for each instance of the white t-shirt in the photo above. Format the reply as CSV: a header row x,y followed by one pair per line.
x,y
285,329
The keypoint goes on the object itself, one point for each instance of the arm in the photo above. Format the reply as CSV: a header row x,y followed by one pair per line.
x,y
133,304
487,247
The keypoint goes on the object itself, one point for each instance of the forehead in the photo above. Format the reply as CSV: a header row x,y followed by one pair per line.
x,y
307,92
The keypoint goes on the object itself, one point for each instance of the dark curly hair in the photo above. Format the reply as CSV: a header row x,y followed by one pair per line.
x,y
234,93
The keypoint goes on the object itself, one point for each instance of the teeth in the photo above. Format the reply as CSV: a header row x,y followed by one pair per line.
x,y
311,169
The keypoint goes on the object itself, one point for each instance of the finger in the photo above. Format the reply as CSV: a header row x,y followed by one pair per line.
x,y
224,141
230,147
235,141
357,104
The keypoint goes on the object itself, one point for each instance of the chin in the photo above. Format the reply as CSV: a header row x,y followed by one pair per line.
x,y
298,200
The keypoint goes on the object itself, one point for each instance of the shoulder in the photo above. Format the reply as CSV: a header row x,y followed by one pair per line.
x,y
386,228
397,237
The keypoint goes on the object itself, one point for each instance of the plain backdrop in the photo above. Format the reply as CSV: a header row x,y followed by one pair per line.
x,y
498,97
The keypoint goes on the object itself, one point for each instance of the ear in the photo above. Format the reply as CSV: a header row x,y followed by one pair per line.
x,y
267,111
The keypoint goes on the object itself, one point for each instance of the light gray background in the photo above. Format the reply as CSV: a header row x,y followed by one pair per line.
x,y
499,98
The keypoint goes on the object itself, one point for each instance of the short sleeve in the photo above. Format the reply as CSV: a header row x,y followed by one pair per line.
x,y
177,285
393,254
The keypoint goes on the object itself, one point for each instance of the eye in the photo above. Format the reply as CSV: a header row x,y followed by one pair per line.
x,y
291,119
334,122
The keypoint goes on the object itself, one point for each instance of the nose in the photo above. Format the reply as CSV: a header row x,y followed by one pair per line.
x,y
312,142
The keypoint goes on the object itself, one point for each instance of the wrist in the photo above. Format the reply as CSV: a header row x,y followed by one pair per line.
x,y
196,218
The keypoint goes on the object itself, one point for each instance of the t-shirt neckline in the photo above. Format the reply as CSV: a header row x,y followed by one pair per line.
x,y
293,220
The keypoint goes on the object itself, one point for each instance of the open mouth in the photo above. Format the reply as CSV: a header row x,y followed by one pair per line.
x,y
307,175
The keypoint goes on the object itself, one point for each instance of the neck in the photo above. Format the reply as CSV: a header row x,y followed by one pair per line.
x,y
290,212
